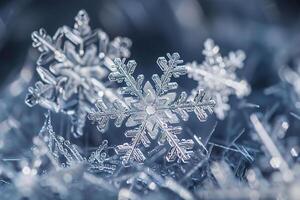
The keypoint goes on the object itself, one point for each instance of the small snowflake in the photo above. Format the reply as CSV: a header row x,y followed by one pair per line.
x,y
99,160
218,77
151,110
66,154
78,59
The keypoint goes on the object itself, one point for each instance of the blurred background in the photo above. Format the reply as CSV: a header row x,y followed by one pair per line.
x,y
267,30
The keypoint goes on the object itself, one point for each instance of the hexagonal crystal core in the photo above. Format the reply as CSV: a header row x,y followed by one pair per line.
x,y
150,110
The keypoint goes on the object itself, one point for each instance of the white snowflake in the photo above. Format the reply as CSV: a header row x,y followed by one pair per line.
x,y
217,75
151,110
78,59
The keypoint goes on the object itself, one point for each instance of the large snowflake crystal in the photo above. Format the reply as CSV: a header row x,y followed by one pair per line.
x,y
151,111
217,75
78,60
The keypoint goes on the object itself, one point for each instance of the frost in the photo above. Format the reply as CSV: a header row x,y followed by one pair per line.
x,y
100,161
151,112
66,154
72,67
217,75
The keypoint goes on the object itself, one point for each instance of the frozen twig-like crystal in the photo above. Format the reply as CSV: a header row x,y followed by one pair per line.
x,y
217,75
67,154
58,147
277,160
292,77
99,160
152,111
72,66
223,174
289,88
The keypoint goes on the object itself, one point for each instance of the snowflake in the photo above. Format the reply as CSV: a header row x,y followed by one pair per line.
x,y
78,59
151,111
217,76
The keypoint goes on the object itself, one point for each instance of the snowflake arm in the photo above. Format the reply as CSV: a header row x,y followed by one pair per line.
x,y
179,148
98,159
170,68
131,151
186,145
104,112
44,43
198,105
124,73
45,93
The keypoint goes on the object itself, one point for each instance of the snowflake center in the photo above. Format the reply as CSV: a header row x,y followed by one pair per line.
x,y
150,110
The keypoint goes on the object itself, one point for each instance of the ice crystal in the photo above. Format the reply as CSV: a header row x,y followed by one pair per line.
x,y
99,161
30,181
292,76
72,66
288,89
252,158
217,75
67,154
272,146
151,110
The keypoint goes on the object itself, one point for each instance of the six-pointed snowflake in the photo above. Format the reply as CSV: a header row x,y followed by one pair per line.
x,y
217,76
152,112
78,60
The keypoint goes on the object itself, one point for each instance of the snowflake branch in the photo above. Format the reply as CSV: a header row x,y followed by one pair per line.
x,y
170,68
172,139
101,116
198,105
43,42
138,135
124,73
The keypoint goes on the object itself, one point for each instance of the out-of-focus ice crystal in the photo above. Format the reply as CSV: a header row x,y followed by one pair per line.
x,y
67,154
72,66
217,76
